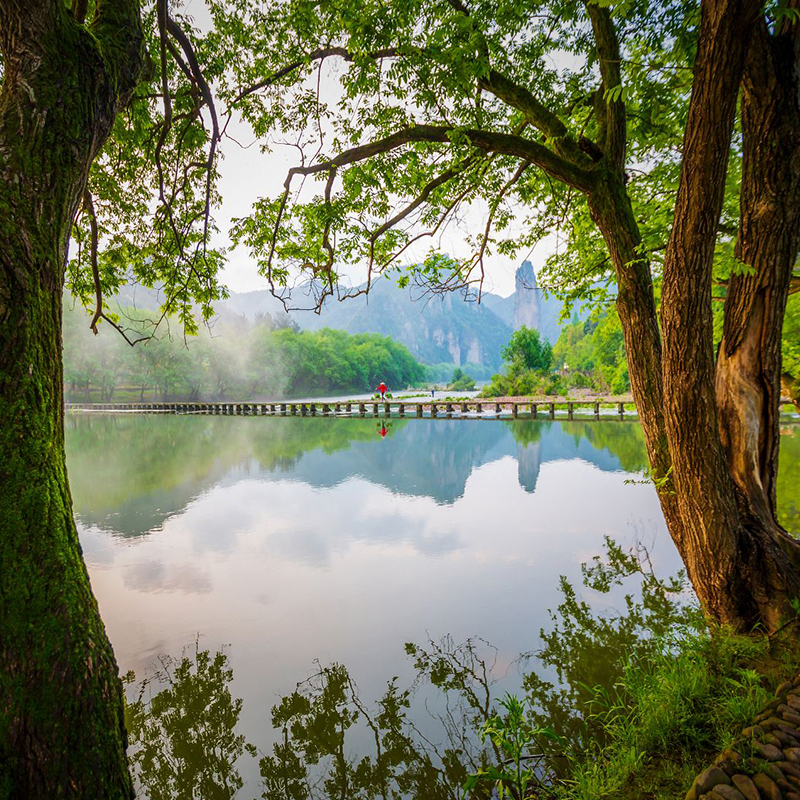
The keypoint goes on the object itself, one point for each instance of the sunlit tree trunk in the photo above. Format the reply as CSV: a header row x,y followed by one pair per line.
x,y
744,570
61,704
749,363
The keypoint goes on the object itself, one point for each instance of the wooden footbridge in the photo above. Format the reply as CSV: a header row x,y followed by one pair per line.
x,y
466,409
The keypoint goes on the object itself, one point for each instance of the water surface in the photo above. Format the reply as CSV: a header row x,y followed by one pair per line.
x,y
289,541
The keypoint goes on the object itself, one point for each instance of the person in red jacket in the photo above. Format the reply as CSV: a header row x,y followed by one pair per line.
x,y
383,389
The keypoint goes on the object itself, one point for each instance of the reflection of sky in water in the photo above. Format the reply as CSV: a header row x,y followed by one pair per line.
x,y
445,527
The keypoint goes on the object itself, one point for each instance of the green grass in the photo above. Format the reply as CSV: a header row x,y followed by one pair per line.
x,y
667,718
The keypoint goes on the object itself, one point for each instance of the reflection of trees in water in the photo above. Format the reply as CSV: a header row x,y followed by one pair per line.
x,y
151,466
332,743
182,737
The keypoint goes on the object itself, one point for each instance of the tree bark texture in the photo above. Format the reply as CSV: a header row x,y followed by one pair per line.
x,y
748,379
61,704
612,212
742,574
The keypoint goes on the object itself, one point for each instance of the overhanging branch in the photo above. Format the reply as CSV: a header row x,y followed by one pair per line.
x,y
88,205
486,141
538,114
315,55
610,100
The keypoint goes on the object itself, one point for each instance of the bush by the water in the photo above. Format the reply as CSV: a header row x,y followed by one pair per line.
x,y
461,382
528,358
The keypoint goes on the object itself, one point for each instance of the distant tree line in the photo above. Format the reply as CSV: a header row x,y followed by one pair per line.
x,y
231,360
590,354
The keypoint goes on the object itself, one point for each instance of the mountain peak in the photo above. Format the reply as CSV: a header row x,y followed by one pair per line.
x,y
526,276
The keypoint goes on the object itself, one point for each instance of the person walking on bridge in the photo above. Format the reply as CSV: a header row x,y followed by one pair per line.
x,y
383,389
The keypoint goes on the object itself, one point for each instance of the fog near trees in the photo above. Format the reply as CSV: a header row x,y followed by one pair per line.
x,y
231,359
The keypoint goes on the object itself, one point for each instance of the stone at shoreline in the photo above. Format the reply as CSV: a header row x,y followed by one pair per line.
x,y
706,781
767,787
746,787
727,793
768,751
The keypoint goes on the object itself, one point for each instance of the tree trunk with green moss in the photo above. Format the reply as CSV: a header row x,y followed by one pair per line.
x,y
61,705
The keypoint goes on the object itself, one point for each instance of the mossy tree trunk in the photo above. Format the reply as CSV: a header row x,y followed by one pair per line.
x,y
61,706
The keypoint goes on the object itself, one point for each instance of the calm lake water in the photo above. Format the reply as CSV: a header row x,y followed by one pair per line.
x,y
291,541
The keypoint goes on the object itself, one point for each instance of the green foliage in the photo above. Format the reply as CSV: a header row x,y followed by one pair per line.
x,y
528,371
671,713
405,65
791,348
154,190
229,362
526,351
525,383
442,373
517,741
644,698
595,351
461,382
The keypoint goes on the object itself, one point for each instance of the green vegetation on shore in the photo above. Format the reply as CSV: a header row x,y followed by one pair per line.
x,y
461,381
228,362
791,350
590,354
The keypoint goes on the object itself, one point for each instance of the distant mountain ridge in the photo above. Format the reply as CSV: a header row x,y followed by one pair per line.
x,y
435,328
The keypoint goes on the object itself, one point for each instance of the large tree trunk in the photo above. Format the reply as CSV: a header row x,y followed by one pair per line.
x,y
742,574
61,704
748,378
611,210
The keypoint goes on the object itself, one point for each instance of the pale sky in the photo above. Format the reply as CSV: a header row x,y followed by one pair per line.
x,y
247,174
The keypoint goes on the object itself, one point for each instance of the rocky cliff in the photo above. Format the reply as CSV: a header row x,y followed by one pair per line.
x,y
534,309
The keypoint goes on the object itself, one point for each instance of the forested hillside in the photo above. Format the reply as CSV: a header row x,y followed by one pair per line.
x,y
230,360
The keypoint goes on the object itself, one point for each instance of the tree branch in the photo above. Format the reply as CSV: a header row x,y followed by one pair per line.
x,y
88,205
188,51
605,35
315,55
430,187
538,114
493,210
486,141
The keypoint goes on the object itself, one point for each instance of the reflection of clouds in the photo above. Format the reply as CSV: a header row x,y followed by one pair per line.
x,y
310,547
157,576
395,519
215,520
295,522
97,544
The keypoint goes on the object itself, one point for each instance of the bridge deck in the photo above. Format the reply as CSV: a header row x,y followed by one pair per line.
x,y
467,408
483,409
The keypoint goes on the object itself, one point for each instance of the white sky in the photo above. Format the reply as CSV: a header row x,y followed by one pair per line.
x,y
247,174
